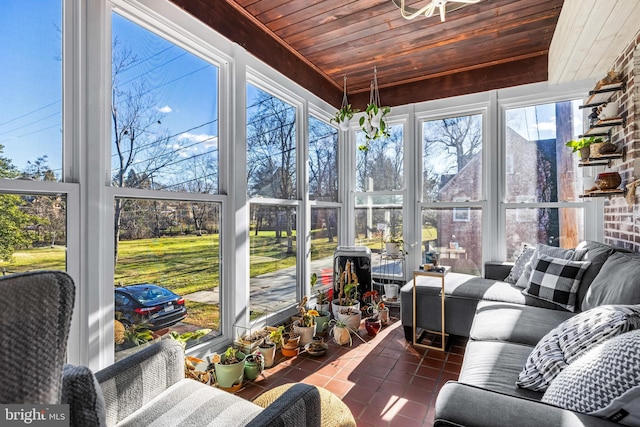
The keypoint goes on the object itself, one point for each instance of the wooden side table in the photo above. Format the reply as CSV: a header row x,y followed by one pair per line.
x,y
442,333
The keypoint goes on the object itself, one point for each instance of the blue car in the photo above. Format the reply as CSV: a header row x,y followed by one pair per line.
x,y
151,304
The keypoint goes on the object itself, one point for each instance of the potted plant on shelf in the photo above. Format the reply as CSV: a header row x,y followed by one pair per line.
x,y
582,146
229,368
394,245
322,294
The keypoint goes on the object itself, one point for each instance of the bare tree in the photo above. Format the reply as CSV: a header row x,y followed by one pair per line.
x,y
138,144
271,157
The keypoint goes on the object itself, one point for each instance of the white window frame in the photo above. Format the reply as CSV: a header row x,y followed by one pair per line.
x,y
527,96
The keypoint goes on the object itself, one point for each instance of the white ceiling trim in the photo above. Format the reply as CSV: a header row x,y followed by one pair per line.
x,y
589,36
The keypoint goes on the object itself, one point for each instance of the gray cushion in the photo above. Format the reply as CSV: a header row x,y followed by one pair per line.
x,y
556,280
82,393
617,283
597,254
191,403
516,323
551,251
520,264
495,366
604,382
572,338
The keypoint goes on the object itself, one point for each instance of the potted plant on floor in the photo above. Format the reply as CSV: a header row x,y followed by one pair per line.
x,y
290,343
306,326
253,365
346,306
340,332
322,294
373,323
229,367
268,350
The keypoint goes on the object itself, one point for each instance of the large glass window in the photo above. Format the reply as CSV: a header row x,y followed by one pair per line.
x,y
380,167
164,114
273,242
452,190
34,232
271,146
31,87
452,159
540,169
272,174
323,161
323,192
164,134
170,249
454,235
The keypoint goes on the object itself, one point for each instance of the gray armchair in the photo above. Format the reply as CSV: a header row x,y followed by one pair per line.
x,y
34,324
146,388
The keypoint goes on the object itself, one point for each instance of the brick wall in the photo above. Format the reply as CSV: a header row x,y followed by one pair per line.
x,y
621,221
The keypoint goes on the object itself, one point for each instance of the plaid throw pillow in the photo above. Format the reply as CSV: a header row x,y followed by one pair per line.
x,y
556,280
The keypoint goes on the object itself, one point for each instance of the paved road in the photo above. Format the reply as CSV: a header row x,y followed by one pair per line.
x,y
273,289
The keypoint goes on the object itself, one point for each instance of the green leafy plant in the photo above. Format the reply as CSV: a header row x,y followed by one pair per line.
x,y
322,296
373,124
275,336
344,114
138,334
577,144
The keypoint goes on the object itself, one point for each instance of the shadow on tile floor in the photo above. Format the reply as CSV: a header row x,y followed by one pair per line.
x,y
383,379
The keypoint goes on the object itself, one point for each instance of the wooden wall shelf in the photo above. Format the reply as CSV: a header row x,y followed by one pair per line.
x,y
603,193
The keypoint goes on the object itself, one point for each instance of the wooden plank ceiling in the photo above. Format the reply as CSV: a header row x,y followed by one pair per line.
x,y
483,46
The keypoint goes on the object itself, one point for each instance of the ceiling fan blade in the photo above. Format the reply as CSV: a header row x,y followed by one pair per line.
x,y
409,12
429,13
442,12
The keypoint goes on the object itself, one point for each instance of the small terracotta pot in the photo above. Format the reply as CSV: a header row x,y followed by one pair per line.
x,y
608,180
372,326
288,352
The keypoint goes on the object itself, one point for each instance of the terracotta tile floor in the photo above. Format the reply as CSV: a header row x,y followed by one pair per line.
x,y
383,380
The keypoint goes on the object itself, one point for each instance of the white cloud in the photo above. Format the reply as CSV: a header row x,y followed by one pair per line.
x,y
190,138
165,109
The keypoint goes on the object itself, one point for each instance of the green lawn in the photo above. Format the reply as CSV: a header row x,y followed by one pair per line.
x,y
184,264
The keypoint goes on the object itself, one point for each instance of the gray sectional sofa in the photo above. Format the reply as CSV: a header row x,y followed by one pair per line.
x,y
504,325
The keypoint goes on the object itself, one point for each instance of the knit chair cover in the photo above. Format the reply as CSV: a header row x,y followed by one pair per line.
x,y
34,323
333,412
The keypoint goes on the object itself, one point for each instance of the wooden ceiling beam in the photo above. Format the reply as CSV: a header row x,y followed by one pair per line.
x,y
498,76
229,22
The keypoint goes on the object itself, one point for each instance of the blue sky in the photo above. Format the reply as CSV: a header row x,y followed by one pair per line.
x,y
183,86
31,81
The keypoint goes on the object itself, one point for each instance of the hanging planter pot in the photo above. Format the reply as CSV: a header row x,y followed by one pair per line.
x,y
344,115
372,123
